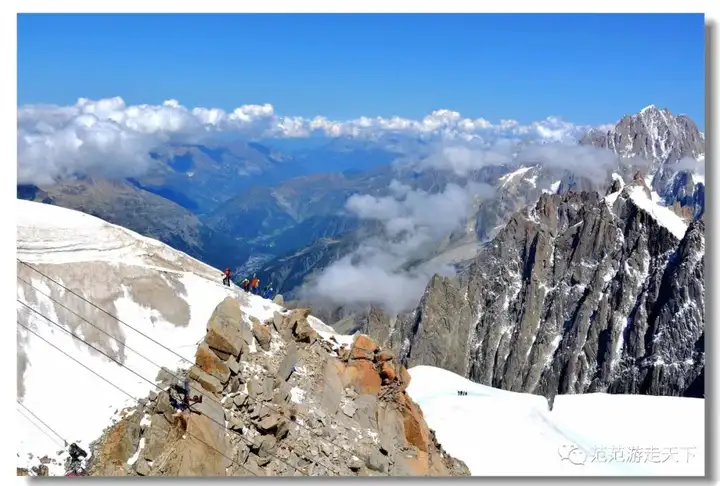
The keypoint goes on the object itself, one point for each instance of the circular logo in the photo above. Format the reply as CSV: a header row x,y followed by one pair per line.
x,y
573,454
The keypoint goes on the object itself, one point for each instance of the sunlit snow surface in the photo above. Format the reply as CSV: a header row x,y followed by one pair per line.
x,y
501,433
70,399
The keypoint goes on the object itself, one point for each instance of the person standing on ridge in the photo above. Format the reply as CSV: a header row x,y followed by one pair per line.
x,y
254,284
268,291
245,284
226,280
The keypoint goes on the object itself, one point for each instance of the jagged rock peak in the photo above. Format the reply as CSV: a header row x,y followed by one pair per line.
x,y
577,293
278,399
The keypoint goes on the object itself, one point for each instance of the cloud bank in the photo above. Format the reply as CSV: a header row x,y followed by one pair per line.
x,y
109,137
379,271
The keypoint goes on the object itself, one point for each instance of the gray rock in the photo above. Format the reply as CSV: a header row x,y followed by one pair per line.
x,y
288,362
355,463
262,334
349,409
209,406
233,365
240,400
303,332
282,394
264,445
277,322
366,412
270,423
163,407
142,467
377,462
155,437
332,388
236,423
233,385
243,451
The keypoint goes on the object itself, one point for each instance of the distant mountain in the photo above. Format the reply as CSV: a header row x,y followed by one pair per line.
x,y
122,203
201,177
577,293
670,143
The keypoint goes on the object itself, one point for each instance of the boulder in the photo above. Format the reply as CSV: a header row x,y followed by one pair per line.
x,y
363,348
163,407
208,382
278,322
377,462
278,299
240,400
262,334
349,409
355,463
224,327
304,333
142,467
264,446
270,423
211,364
243,451
282,394
288,362
233,365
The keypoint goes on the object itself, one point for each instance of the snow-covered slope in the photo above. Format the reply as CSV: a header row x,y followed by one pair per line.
x,y
164,293
497,432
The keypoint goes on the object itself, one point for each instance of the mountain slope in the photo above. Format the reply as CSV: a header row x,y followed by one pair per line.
x,y
122,203
578,293
72,265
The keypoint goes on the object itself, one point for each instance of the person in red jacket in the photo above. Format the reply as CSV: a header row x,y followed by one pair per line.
x,y
226,280
254,284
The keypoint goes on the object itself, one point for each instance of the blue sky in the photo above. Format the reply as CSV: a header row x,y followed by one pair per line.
x,y
587,69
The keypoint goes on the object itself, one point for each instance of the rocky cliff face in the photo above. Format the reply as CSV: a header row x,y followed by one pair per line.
x,y
578,293
278,399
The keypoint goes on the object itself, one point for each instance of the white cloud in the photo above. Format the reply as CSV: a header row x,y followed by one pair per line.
x,y
110,137
378,272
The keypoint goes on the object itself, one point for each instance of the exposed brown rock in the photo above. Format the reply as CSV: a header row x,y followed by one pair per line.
x,y
211,363
363,348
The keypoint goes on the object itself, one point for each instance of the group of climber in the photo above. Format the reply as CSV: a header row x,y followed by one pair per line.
x,y
251,285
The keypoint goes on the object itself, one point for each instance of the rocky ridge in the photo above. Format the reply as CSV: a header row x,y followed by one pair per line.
x,y
278,398
578,293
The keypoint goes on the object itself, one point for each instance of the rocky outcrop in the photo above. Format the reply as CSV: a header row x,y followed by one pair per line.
x,y
278,399
576,294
